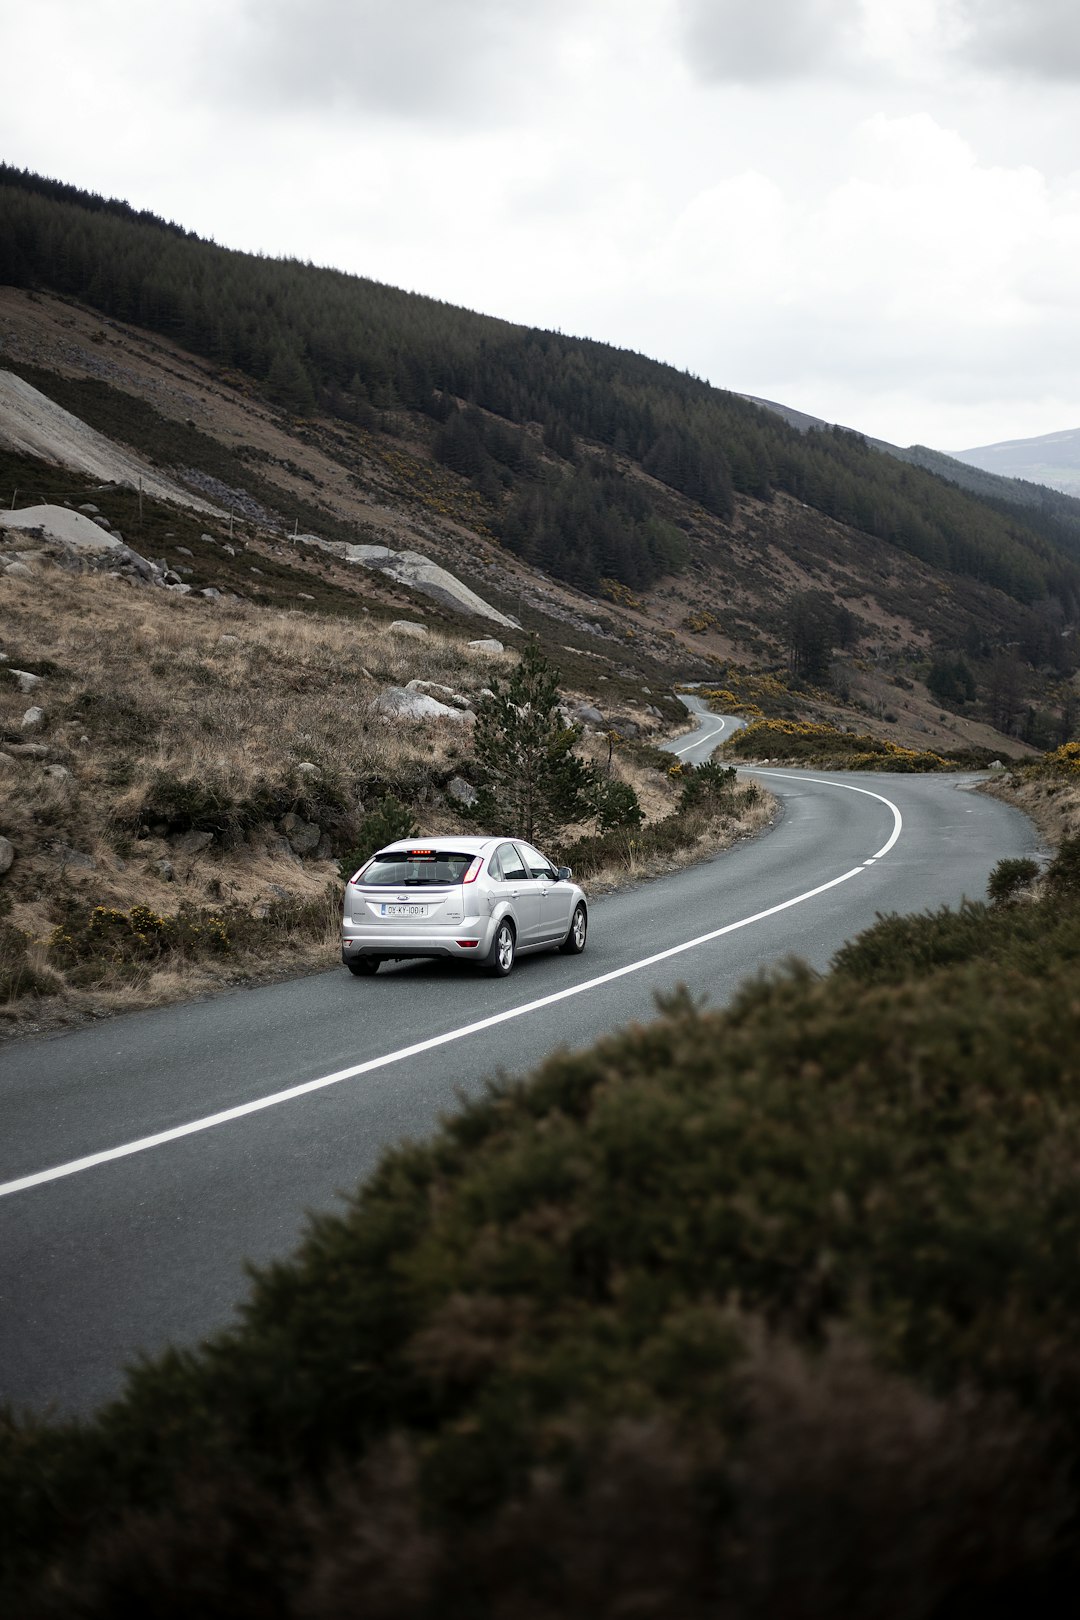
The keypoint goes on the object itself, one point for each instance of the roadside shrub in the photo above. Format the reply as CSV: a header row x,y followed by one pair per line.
x,y
1063,873
389,821
18,975
1010,878
615,805
101,937
709,784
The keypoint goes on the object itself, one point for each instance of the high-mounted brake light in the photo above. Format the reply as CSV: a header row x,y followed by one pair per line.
x,y
474,870
421,854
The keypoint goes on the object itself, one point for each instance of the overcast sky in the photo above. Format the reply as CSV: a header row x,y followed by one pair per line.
x,y
867,209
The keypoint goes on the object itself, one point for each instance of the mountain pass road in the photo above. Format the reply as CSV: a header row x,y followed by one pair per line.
x,y
144,1159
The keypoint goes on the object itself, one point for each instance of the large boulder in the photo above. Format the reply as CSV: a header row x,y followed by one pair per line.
x,y
398,703
441,694
7,855
409,627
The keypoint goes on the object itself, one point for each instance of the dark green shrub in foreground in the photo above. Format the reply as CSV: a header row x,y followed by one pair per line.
x,y
768,1313
1010,878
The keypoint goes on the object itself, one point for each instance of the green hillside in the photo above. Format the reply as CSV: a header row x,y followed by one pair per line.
x,y
526,415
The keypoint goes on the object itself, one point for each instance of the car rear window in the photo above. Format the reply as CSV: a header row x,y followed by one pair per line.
x,y
416,867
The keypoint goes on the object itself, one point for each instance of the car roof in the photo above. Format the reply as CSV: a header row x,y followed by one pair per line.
x,y
470,845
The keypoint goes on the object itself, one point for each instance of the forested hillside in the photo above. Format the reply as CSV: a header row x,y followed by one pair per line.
x,y
521,413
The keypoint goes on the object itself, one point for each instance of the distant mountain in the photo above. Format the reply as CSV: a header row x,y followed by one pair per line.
x,y
1051,458
1051,508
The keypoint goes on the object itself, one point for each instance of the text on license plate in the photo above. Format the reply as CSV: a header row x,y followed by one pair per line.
x,y
403,911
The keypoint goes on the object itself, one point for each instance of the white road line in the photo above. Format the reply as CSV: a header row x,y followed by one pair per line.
x,y
126,1149
696,743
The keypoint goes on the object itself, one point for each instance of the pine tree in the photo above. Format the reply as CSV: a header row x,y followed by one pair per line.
x,y
529,782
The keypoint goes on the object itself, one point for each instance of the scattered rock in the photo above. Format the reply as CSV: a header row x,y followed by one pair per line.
x,y
306,768
182,551
7,855
227,548
7,763
409,627
193,842
396,703
102,522
91,511
31,750
164,870
305,596
487,644
58,773
460,791
421,574
25,681
303,836
326,849
443,694
77,858
33,719
19,570
590,714
622,727
228,641
253,570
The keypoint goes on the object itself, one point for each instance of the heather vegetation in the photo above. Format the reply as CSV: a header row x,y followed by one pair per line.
x,y
756,1313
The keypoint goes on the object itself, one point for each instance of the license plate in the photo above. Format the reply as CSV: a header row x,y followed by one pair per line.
x,y
403,911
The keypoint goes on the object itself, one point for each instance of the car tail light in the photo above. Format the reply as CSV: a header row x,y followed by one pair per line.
x,y
467,944
474,870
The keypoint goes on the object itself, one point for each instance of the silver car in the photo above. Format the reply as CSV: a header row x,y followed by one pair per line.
x,y
480,900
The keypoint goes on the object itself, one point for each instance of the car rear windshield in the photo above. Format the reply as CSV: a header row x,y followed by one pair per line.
x,y
416,867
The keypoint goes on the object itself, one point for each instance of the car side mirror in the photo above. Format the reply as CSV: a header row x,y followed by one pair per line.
x,y
564,874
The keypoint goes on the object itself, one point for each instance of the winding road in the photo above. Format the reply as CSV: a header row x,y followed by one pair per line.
x,y
144,1159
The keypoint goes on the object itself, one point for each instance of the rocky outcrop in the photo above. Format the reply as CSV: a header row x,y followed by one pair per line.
x,y
398,703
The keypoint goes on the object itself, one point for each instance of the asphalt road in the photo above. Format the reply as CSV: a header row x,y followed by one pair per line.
x,y
144,1159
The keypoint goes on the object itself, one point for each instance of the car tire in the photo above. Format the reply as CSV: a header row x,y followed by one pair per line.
x,y
362,967
503,950
574,943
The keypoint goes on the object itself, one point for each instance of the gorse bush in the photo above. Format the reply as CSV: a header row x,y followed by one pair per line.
x,y
97,937
812,743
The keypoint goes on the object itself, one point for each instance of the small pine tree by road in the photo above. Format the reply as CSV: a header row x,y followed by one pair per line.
x,y
529,782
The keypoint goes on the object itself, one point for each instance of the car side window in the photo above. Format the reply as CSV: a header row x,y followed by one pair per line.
x,y
539,866
510,864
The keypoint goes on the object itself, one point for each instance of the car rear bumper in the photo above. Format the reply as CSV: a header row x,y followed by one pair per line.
x,y
448,939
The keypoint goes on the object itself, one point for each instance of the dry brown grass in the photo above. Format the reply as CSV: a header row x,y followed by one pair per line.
x,y
143,688
1051,802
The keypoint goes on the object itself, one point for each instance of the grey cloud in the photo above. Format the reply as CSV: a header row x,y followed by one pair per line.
x,y
1027,38
741,42
461,61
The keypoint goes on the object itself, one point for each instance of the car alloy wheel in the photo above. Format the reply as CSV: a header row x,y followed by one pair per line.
x,y
574,943
501,959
